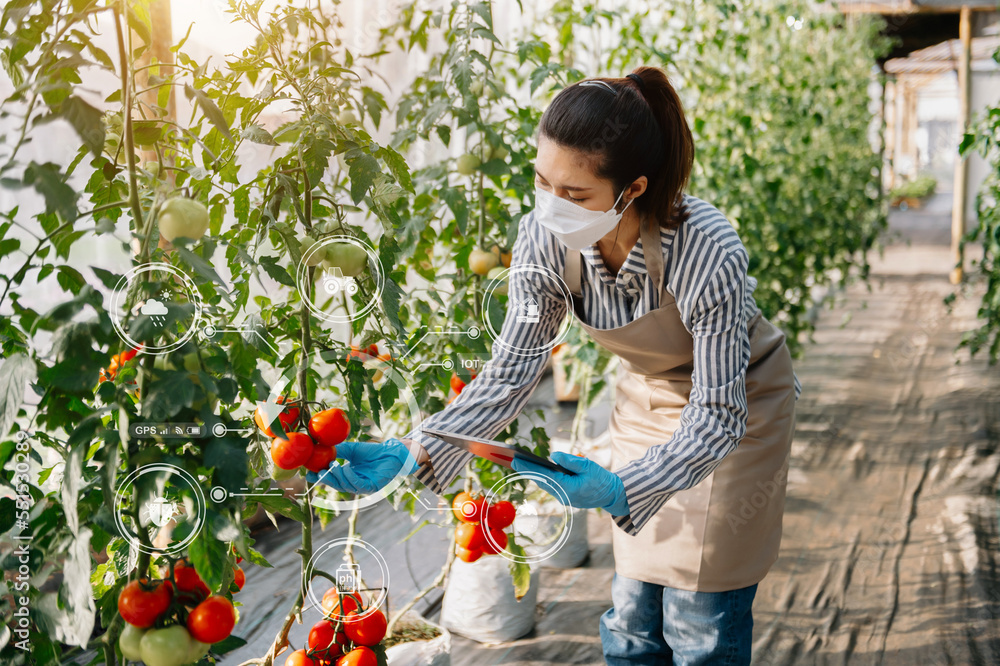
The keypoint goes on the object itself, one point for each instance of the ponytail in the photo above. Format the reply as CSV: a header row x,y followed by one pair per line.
x,y
633,128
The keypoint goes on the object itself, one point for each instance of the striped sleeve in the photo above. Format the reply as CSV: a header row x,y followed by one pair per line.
x,y
715,418
488,404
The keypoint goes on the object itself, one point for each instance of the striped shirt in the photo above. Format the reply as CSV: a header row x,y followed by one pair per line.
x,y
705,270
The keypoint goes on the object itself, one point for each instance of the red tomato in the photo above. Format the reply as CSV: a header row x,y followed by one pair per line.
x,y
500,537
373,350
239,577
189,581
467,555
330,427
365,629
292,452
323,638
321,457
456,383
500,515
300,658
331,603
362,656
212,620
287,418
141,606
469,536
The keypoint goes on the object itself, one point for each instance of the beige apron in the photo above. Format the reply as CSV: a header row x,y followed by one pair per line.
x,y
724,532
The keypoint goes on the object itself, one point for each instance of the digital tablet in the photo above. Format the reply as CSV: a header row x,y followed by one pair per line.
x,y
498,452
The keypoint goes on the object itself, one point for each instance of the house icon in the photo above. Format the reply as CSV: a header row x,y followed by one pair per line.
x,y
527,312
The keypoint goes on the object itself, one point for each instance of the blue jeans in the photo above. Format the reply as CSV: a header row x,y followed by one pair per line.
x,y
654,624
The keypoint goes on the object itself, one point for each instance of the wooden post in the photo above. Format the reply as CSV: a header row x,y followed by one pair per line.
x,y
890,132
961,163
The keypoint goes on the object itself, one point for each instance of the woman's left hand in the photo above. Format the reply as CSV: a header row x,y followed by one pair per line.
x,y
592,486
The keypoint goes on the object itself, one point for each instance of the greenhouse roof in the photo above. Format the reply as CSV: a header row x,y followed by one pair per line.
x,y
945,56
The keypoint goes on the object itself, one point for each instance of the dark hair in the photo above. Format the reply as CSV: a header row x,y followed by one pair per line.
x,y
629,130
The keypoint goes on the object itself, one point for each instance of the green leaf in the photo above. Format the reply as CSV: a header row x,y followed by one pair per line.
x,y
277,271
520,571
49,181
228,644
392,296
86,120
211,111
171,392
230,461
146,132
7,514
258,134
283,505
210,558
203,268
362,173
16,372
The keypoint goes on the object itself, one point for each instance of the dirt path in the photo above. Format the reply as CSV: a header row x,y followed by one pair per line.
x,y
889,550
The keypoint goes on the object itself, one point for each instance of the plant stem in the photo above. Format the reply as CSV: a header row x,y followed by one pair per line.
x,y
305,552
133,186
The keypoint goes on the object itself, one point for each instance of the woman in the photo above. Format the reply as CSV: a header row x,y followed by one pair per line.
x,y
705,398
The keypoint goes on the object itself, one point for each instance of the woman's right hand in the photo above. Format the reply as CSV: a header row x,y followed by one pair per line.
x,y
370,466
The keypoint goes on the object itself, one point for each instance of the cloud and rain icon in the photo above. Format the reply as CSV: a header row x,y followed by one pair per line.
x,y
155,310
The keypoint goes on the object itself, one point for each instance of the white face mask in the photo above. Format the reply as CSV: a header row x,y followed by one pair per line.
x,y
576,227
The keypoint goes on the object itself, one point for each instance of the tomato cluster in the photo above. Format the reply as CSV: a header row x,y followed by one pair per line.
x,y
118,362
343,637
172,623
471,540
315,450
363,355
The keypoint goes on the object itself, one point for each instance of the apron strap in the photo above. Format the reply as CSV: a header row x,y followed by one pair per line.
x,y
650,235
574,261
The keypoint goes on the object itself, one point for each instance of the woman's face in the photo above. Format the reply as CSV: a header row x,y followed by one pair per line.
x,y
567,173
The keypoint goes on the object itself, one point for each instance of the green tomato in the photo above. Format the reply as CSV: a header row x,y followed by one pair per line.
x,y
310,256
198,650
501,285
491,93
163,362
183,217
347,117
192,363
279,474
351,259
153,168
129,642
476,87
466,164
166,647
498,153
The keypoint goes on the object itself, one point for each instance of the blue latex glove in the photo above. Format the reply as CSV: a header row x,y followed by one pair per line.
x,y
369,468
592,487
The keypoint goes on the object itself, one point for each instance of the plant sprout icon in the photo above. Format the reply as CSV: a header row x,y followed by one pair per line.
x,y
156,311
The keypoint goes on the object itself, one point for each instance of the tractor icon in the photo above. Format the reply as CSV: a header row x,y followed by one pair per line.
x,y
335,282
